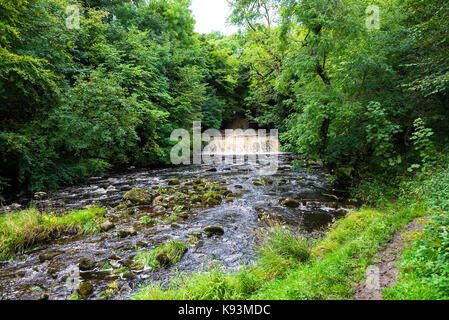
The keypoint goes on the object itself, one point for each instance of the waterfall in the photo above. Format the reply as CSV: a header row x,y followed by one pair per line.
x,y
245,143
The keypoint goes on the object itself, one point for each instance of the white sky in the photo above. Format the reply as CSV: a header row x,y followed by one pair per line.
x,y
210,15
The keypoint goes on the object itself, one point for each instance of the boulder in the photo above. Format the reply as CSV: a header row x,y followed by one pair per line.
x,y
164,259
139,197
213,230
173,182
158,200
86,265
127,233
49,255
85,289
106,226
291,203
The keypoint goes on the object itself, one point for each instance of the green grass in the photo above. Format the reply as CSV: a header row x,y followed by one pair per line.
x,y
24,229
341,257
288,268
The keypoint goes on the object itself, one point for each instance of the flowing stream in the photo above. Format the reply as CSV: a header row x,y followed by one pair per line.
x,y
29,277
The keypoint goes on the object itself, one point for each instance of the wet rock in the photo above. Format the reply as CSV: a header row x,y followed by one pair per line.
x,y
115,264
114,257
139,197
129,276
44,296
291,203
163,259
127,233
282,182
49,255
263,182
213,230
211,170
212,202
85,289
227,193
133,265
14,206
111,189
173,182
158,200
106,226
194,240
86,265
159,209
266,217
238,186
333,205
141,244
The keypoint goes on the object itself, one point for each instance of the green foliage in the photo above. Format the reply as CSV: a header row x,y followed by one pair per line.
x,y
423,144
424,272
342,92
78,101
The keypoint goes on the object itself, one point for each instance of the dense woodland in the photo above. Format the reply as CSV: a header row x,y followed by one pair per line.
x,y
365,102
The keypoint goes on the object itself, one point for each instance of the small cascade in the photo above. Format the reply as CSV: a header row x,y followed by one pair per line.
x,y
243,144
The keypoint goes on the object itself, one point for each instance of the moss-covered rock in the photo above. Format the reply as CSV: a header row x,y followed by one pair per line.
x,y
212,201
194,240
213,230
106,226
139,197
291,203
163,256
263,182
174,182
85,290
86,264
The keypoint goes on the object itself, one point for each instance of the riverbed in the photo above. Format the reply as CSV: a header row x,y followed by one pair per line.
x,y
241,217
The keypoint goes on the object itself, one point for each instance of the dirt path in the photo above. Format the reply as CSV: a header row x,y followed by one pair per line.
x,y
384,273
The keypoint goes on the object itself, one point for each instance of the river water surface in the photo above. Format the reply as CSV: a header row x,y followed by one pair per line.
x,y
27,277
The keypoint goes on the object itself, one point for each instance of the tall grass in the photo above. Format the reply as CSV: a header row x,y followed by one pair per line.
x,y
21,230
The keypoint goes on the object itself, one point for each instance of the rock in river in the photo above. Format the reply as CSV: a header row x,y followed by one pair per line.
x,y
139,197
213,230
291,203
106,226
173,182
85,289
86,265
127,233
49,255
